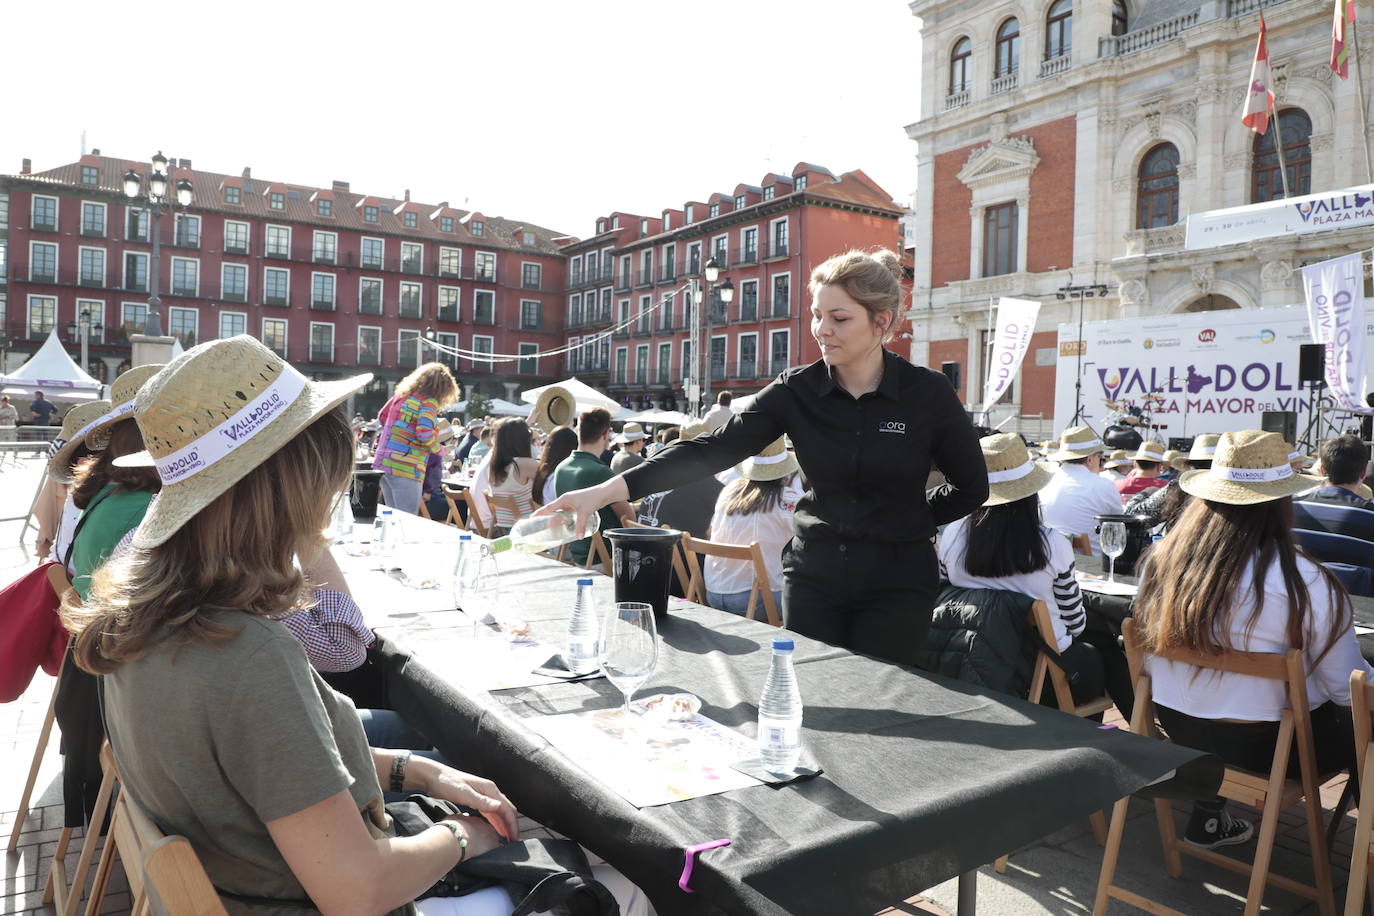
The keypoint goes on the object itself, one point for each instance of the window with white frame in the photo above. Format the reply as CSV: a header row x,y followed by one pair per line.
x,y
779,351
669,262
605,314
324,207
769,191
370,254
276,200
447,342
133,319
232,324
449,303
369,296
322,291
233,282
645,304
477,227
748,356
92,219
531,275
412,257
689,369
484,263
235,237
782,295
622,358
574,310
409,219
183,324
739,201
369,345
531,314
642,364
778,238
408,349
484,306
4,210
412,305
528,363
44,215
90,313
42,316
274,335
92,267
136,225
450,262
276,286
321,342
90,175
233,196
187,234
719,346
665,312
481,344
694,259
42,262
749,244
720,250
714,211
185,277
369,213
4,262
800,183
325,247
445,224
574,355
665,363
278,241
748,300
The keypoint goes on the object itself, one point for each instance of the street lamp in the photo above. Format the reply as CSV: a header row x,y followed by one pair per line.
x,y
710,271
86,324
157,203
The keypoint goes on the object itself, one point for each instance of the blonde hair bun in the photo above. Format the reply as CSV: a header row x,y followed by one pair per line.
x,y
871,278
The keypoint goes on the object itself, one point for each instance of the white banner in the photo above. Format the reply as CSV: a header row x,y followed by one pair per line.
x,y
1294,215
1335,313
1015,325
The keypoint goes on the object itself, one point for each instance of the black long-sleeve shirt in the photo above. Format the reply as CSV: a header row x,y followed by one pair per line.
x,y
865,459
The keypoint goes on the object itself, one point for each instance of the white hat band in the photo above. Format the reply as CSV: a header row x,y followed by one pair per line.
x,y
121,410
1294,456
1206,451
219,442
1079,446
771,459
1011,474
1254,475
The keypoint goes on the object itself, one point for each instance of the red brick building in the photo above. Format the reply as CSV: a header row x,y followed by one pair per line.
x,y
336,281
767,237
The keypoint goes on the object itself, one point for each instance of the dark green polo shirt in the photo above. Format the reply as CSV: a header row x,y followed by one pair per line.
x,y
583,469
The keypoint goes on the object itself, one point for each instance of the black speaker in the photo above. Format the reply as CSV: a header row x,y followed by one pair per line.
x,y
951,371
1283,422
1311,364
1181,443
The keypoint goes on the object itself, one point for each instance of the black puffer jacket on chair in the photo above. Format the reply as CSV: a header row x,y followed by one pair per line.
x,y
982,636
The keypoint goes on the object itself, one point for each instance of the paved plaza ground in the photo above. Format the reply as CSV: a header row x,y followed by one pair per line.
x,y
1057,875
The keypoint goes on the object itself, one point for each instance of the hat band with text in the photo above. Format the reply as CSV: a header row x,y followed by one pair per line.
x,y
1254,475
221,441
1015,473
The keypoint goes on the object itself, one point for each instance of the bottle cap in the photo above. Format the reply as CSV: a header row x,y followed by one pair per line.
x,y
584,581
386,511
464,537
782,644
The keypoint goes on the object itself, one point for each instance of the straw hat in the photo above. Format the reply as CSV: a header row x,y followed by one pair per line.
x,y
76,429
1118,458
1176,460
443,430
1149,451
773,463
1012,475
1076,442
213,415
1204,447
692,430
631,433
122,394
556,407
1248,467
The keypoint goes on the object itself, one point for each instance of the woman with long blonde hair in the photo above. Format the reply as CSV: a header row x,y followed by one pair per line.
x,y
408,433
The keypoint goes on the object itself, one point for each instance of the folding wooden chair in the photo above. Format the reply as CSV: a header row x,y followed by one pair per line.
x,y
424,510
1063,696
596,553
1082,544
1270,792
505,504
1362,852
455,518
154,862
474,517
696,585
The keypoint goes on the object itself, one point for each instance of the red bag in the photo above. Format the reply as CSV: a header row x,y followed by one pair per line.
x,y
31,633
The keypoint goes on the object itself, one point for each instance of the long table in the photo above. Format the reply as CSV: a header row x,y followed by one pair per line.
x,y
924,778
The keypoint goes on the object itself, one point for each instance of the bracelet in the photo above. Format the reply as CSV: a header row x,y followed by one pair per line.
x,y
461,836
399,760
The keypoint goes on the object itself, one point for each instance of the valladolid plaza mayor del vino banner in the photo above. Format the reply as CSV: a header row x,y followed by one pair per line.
x,y
1212,371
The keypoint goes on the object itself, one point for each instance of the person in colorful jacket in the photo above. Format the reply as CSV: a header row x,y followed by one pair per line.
x,y
409,433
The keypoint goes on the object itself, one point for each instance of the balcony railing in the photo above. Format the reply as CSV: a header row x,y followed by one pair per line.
x,y
136,286
235,248
370,263
779,310
1003,84
370,304
485,275
483,316
88,280
1054,65
1245,7
410,308
646,278
448,313
321,354
957,100
322,305
1163,32
777,248
182,289
274,300
42,276
411,266
239,296
93,232
43,226
324,257
746,256
443,270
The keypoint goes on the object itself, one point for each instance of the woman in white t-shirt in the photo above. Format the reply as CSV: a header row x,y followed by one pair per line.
x,y
1229,577
752,508
1004,545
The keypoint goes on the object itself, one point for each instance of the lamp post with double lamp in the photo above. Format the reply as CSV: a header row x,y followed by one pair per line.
x,y
85,324
699,383
157,203
1080,292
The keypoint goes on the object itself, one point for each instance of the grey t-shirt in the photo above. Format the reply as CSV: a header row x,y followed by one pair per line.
x,y
213,741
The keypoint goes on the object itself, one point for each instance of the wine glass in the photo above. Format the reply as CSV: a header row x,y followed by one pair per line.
x,y
1113,545
629,646
485,591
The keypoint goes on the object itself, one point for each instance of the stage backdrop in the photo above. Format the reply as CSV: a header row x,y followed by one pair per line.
x,y
1217,371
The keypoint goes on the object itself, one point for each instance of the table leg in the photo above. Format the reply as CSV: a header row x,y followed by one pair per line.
x,y
968,893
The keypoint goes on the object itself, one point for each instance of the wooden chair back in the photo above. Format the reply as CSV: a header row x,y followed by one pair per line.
x,y
760,588
1046,668
503,504
1362,849
475,523
454,518
597,552
679,566
1271,792
1082,544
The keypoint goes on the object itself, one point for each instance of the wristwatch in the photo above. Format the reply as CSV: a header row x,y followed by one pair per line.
x,y
460,835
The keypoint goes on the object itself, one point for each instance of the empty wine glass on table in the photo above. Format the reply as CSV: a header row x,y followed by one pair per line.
x,y
629,647
486,588
1113,535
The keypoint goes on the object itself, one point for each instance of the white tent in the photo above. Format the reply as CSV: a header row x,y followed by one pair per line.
x,y
661,417
500,407
52,372
585,395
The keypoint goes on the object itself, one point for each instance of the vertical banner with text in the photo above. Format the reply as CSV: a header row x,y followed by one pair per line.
x,y
1015,325
1335,313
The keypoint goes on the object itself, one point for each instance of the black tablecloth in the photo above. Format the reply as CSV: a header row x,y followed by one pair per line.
x,y
925,778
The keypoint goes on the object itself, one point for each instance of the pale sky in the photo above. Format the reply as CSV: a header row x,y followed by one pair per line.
x,y
547,111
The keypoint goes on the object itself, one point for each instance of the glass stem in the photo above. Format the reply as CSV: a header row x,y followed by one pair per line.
x,y
1111,569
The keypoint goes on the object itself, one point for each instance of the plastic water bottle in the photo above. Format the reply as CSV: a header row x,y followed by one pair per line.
x,y
583,654
385,539
464,569
343,518
780,712
542,532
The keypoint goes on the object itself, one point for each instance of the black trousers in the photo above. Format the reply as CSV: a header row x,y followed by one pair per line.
x,y
865,596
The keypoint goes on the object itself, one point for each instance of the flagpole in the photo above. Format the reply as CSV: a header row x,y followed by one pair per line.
x,y
1278,145
1364,112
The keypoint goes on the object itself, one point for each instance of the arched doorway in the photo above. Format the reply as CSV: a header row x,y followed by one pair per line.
x,y
1211,303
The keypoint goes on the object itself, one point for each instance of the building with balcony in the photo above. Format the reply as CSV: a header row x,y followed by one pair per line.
x,y
631,277
337,281
1063,143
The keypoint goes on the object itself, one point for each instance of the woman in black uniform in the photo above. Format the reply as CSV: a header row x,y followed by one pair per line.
x,y
867,425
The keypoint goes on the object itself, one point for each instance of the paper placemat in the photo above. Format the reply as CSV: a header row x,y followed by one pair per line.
x,y
653,761
1089,582
494,663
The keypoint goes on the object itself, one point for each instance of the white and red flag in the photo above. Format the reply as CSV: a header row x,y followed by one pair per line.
x,y
1259,101
1343,16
